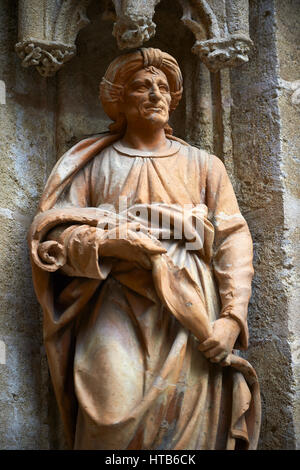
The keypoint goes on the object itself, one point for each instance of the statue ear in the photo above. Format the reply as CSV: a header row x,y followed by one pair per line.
x,y
121,104
119,125
168,129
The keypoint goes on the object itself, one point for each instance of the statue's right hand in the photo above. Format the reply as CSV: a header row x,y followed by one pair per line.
x,y
220,344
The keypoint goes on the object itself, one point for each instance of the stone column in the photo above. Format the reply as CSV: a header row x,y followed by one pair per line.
x,y
288,52
265,133
27,131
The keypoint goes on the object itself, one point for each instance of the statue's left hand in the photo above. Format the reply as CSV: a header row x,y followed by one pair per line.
x,y
217,347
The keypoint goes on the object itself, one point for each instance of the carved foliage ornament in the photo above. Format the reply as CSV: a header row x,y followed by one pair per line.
x,y
48,58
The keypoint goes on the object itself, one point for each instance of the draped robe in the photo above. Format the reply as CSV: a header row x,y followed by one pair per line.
x,y
121,326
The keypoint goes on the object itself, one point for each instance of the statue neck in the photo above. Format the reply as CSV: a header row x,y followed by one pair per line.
x,y
145,139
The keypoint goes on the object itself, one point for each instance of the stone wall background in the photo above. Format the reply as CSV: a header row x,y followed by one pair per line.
x,y
260,130
248,116
27,149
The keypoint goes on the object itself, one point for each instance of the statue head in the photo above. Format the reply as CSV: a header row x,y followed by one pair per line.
x,y
145,84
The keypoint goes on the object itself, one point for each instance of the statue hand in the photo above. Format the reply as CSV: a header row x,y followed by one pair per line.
x,y
217,347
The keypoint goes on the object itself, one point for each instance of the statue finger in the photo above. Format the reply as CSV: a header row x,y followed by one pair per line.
x,y
220,357
213,352
207,344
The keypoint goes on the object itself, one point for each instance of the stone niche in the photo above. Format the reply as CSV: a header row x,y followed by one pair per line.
x,y
247,115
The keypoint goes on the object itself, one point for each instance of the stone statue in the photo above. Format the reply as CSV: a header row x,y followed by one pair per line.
x,y
142,263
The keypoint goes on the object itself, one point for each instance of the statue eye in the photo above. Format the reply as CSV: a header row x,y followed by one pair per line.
x,y
141,88
164,88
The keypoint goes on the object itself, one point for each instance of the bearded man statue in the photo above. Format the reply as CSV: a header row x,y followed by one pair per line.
x,y
142,263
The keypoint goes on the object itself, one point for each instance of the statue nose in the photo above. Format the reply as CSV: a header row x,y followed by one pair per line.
x,y
155,94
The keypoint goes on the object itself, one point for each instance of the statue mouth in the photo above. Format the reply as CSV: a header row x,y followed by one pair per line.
x,y
155,109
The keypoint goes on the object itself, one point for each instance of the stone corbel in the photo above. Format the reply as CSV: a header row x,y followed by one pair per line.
x,y
221,29
47,32
134,24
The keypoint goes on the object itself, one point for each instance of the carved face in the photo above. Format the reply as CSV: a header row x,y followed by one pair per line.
x,y
147,98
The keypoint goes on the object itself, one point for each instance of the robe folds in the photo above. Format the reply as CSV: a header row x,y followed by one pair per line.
x,y
127,302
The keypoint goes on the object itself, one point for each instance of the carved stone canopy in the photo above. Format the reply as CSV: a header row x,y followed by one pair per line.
x,y
221,30
48,30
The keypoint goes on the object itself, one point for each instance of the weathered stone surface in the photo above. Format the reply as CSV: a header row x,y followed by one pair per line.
x,y
27,151
264,155
288,40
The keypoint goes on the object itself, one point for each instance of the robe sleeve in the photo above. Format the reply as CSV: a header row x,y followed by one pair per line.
x,y
82,251
89,251
233,249
80,241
